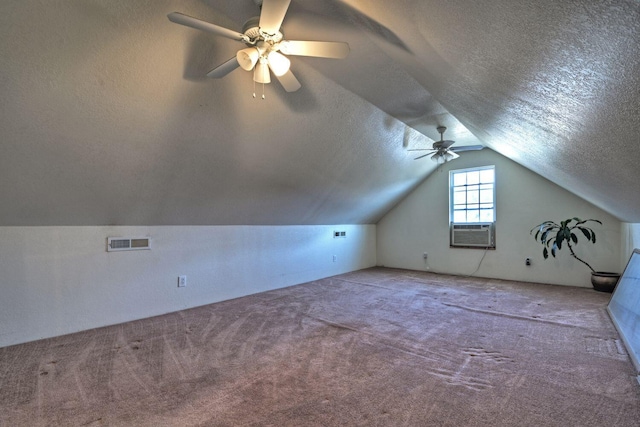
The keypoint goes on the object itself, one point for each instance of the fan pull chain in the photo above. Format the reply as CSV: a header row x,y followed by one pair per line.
x,y
254,90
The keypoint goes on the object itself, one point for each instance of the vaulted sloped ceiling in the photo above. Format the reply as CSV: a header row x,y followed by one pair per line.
x,y
107,117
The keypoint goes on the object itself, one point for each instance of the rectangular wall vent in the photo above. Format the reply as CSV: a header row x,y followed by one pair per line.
x,y
128,244
473,235
339,234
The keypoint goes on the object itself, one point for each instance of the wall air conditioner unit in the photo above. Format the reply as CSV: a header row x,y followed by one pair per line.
x,y
475,235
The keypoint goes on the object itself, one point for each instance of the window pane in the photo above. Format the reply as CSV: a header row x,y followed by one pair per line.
x,y
473,216
486,175
459,197
459,216
459,179
473,177
473,196
486,196
486,215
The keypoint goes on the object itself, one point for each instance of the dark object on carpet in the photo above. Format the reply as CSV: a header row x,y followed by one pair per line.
x,y
372,347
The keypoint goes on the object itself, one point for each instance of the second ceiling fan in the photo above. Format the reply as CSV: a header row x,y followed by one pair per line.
x,y
265,45
442,152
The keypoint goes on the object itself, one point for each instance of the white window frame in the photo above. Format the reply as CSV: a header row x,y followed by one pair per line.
x,y
452,188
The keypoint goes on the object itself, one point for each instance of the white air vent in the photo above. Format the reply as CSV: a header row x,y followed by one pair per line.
x,y
339,234
473,235
128,244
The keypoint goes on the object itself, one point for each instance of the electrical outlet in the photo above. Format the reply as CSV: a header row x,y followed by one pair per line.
x,y
424,255
335,258
527,262
182,281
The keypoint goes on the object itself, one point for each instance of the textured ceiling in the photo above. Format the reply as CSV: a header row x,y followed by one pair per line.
x,y
107,117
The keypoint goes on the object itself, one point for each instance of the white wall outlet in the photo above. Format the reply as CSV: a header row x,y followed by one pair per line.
x,y
182,281
424,256
335,258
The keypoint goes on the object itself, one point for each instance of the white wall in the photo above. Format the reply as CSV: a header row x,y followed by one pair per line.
x,y
419,224
630,241
58,280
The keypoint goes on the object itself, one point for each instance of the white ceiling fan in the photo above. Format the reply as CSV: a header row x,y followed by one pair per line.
x,y
442,151
266,45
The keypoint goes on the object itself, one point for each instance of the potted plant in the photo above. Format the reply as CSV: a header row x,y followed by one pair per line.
x,y
553,236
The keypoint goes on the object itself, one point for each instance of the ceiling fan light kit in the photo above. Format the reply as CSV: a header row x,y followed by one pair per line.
x,y
261,72
278,63
444,157
266,45
248,58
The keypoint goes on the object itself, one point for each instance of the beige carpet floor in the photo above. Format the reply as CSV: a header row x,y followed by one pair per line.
x,y
379,347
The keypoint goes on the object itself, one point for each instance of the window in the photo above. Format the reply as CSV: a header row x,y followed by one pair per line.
x,y
472,195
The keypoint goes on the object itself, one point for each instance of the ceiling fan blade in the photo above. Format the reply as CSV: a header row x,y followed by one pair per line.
x,y
289,82
467,148
430,151
451,155
224,68
336,50
198,24
272,15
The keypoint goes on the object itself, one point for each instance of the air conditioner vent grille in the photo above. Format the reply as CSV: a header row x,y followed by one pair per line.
x,y
120,244
128,244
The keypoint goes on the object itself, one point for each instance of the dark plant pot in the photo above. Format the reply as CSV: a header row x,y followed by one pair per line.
x,y
603,281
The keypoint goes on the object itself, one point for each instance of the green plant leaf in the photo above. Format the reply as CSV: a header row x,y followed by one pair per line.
x,y
543,237
553,250
586,233
587,220
574,238
593,236
540,228
559,238
545,253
